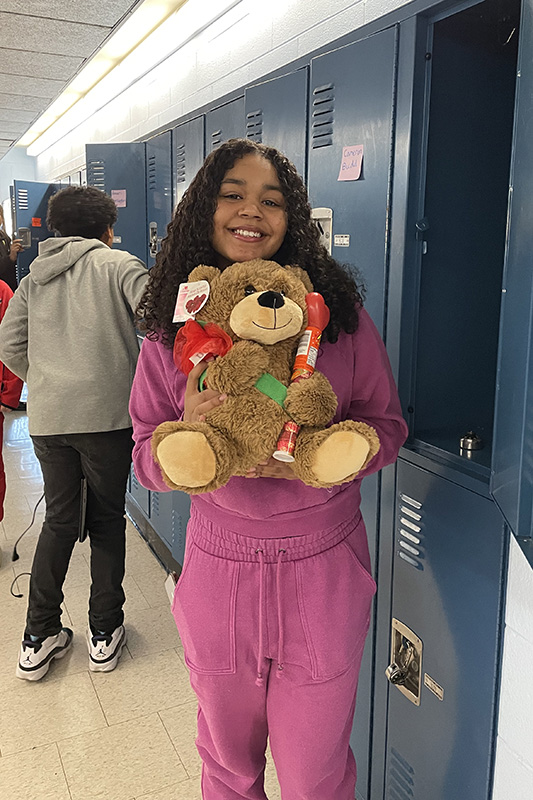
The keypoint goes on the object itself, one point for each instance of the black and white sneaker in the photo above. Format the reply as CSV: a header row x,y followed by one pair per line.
x,y
35,657
105,649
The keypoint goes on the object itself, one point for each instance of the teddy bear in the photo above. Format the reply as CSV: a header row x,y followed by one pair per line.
x,y
261,310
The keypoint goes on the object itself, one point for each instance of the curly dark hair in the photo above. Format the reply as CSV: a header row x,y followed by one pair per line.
x,y
188,243
81,211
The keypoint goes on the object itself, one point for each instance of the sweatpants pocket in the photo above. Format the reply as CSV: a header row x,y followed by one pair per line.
x,y
334,597
204,610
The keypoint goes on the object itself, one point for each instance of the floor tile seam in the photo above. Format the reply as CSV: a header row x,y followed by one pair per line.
x,y
59,741
110,727
64,770
173,744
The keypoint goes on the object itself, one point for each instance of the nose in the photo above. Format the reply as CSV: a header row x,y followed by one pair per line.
x,y
271,300
250,208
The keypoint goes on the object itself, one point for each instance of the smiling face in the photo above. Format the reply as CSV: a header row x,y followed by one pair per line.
x,y
251,219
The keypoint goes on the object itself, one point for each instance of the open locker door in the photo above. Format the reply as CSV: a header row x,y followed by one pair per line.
x,y
512,473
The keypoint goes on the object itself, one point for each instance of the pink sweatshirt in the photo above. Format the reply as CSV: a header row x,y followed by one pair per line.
x,y
358,369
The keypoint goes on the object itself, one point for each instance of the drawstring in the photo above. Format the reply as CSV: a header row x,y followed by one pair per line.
x,y
280,618
259,680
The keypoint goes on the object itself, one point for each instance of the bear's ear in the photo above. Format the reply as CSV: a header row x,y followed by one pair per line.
x,y
302,275
204,273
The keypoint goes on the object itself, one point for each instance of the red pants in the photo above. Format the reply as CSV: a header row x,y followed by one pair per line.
x,y
273,632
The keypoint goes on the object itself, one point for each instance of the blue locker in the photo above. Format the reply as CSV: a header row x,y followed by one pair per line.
x,y
351,104
347,109
448,590
276,115
161,516
169,515
188,152
120,170
140,494
181,506
30,206
223,123
512,474
158,192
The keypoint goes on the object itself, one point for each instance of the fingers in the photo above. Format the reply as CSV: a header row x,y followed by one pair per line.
x,y
203,408
272,469
196,403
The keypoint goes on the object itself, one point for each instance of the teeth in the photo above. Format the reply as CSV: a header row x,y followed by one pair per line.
x,y
250,234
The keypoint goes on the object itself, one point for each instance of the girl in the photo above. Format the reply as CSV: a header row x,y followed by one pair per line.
x,y
274,599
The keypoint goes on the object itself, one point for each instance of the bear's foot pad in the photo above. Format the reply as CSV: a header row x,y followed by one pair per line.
x,y
340,455
187,458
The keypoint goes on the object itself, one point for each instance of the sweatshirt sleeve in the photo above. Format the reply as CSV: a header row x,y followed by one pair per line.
x,y
14,333
133,281
156,397
375,398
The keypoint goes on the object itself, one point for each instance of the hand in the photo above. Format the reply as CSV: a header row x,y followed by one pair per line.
x,y
197,404
272,469
5,409
16,247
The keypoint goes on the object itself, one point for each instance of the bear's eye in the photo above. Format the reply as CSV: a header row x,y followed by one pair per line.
x,y
249,289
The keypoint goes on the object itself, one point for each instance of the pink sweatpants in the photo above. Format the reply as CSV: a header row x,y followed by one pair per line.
x,y
273,632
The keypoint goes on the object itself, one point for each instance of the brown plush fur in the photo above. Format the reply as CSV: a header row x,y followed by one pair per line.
x,y
202,456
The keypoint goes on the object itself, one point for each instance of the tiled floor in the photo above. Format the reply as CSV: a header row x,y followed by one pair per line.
x,y
77,735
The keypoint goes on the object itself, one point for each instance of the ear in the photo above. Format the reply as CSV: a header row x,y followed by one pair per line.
x,y
204,273
302,275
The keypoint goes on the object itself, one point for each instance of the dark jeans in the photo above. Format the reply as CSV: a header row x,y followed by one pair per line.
x,y
104,459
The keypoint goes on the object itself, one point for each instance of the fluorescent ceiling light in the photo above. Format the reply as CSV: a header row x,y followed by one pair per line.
x,y
179,28
144,20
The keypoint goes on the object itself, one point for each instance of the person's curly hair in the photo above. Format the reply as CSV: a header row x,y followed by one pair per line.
x,y
81,211
188,244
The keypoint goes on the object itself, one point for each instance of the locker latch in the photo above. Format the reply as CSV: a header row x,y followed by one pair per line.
x,y
405,669
323,219
422,225
152,238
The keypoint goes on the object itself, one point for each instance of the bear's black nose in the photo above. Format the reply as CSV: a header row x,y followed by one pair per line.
x,y
271,300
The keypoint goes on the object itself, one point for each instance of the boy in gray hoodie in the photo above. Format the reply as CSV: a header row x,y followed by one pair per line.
x,y
69,333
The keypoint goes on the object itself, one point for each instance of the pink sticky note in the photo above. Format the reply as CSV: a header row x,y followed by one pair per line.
x,y
352,161
119,196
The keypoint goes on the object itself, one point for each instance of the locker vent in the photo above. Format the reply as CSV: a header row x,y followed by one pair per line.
x,y
401,783
254,125
154,501
410,533
96,174
323,110
180,162
152,173
216,139
22,196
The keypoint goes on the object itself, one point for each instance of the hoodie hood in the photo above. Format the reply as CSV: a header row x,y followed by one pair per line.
x,y
57,255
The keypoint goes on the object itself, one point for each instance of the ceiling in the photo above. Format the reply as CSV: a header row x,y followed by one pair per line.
x,y
42,49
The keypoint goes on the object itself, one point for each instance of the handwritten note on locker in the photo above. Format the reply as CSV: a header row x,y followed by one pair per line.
x,y
352,161
119,196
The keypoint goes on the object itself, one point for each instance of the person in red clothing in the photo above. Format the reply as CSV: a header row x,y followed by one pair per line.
x,y
10,389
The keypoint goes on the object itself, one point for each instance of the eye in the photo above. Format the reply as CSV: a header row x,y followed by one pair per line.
x,y
249,289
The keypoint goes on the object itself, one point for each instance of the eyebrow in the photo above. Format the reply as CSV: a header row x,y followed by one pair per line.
x,y
267,186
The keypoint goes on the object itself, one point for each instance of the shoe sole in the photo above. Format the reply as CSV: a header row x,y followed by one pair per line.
x,y
37,674
108,666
